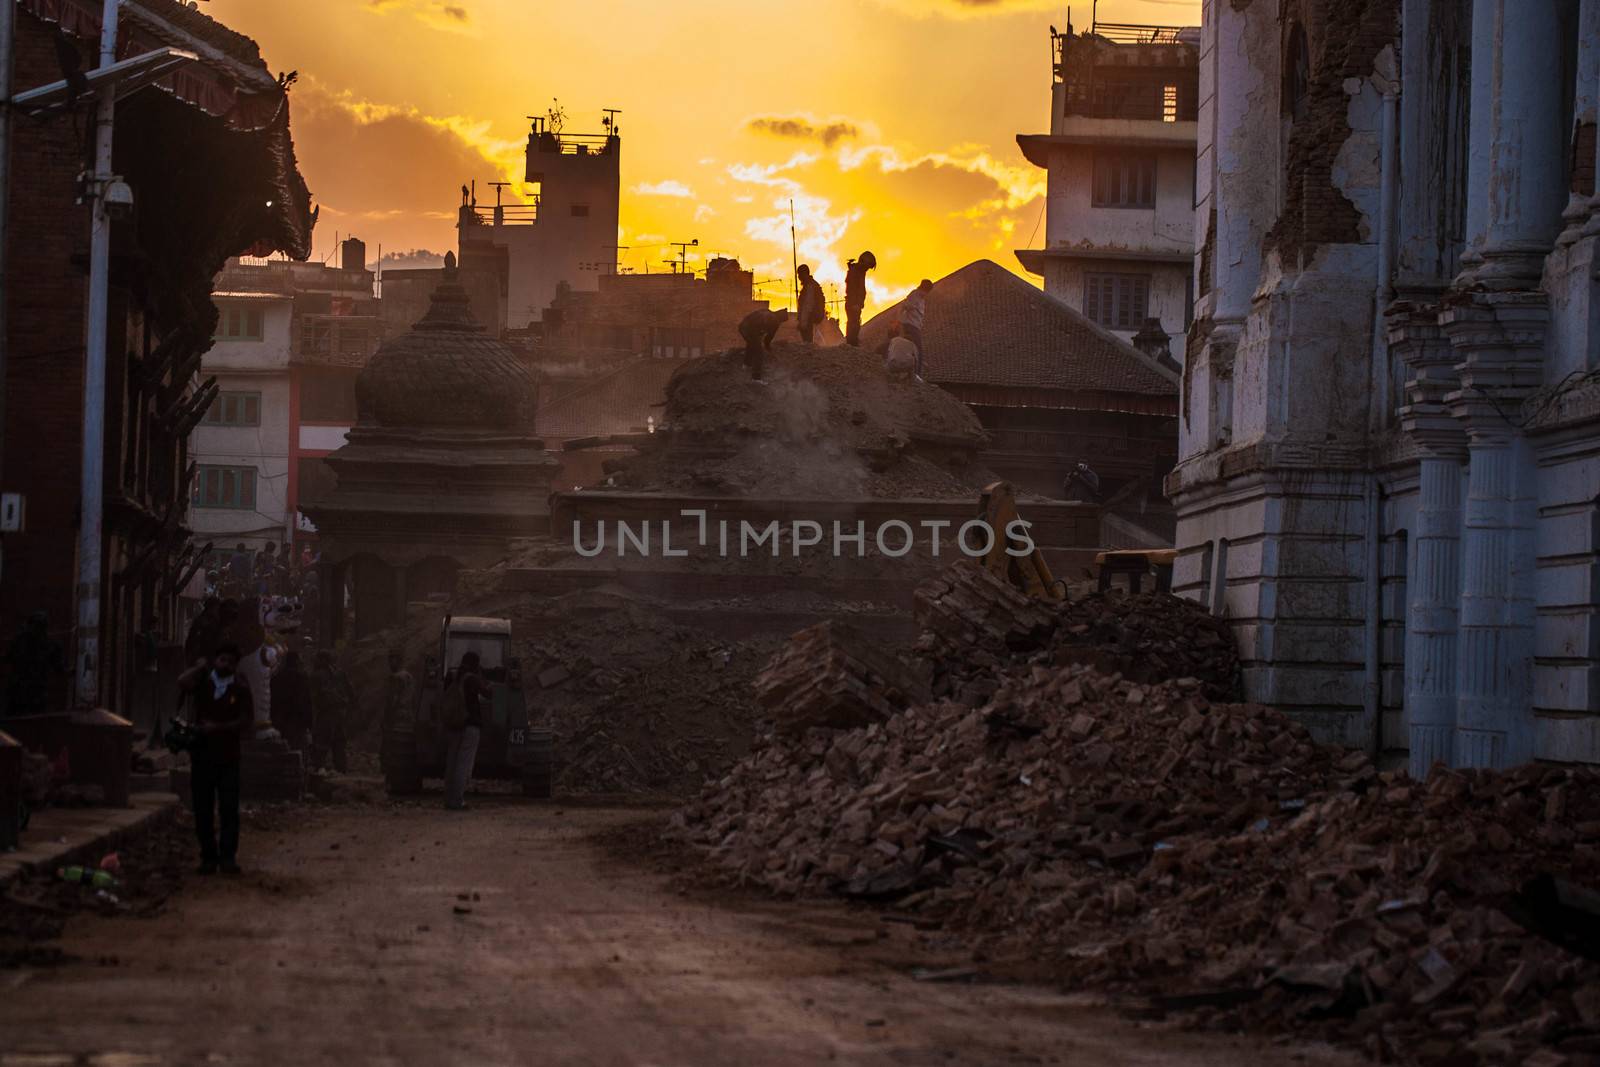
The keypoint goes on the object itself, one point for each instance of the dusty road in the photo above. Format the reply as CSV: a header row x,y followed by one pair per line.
x,y
346,943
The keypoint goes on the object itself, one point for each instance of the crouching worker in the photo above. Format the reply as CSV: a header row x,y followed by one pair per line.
x,y
222,711
758,329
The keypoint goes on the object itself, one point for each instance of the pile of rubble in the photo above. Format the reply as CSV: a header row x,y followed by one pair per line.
x,y
1142,837
638,702
827,424
830,675
1133,832
977,628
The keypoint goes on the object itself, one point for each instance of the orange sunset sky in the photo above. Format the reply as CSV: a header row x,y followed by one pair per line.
x,y
891,123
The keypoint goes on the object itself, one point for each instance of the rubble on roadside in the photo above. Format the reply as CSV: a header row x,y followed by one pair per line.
x,y
831,675
1131,833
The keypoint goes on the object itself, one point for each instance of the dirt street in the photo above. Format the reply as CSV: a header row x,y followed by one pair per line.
x,y
347,942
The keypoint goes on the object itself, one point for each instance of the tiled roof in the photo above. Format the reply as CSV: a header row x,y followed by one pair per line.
x,y
986,326
616,403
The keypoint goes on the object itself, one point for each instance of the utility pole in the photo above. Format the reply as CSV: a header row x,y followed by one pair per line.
x,y
91,502
683,252
8,20
794,251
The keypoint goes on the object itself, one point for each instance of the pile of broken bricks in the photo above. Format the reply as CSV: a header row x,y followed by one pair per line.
x,y
1136,836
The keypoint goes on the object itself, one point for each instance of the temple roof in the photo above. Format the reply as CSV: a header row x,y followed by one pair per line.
x,y
447,374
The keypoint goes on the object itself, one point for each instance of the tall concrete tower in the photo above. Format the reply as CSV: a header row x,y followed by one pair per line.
x,y
565,228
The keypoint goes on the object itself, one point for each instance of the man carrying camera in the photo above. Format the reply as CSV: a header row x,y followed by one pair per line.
x,y
222,712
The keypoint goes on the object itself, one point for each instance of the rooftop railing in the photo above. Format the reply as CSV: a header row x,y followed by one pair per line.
x,y
1135,33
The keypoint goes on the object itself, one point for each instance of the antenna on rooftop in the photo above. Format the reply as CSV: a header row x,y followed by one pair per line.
x,y
683,252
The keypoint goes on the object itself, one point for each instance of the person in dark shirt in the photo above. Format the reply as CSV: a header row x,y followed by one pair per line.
x,y
855,295
758,329
222,712
813,306
462,747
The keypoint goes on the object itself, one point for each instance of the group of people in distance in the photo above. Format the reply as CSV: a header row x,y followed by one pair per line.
x,y
760,327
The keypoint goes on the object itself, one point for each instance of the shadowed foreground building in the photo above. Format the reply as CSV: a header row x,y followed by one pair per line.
x,y
206,151
1390,469
441,471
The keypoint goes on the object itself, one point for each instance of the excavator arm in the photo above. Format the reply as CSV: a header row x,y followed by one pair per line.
x,y
997,506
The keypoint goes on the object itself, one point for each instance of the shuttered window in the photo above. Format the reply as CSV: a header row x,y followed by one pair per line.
x,y
1117,301
1124,179
225,487
235,409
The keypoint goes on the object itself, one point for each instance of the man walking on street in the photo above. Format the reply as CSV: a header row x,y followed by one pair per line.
x,y
813,307
222,712
462,749
758,329
912,311
855,295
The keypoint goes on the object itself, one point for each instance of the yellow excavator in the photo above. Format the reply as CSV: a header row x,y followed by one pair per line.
x,y
997,506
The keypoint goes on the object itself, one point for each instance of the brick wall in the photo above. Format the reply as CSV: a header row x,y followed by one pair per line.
x,y
45,285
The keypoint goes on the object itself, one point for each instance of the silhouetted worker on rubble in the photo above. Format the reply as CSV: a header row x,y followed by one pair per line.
x,y
813,307
912,311
758,329
1081,485
855,295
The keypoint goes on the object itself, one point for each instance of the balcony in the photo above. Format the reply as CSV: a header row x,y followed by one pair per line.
x,y
523,214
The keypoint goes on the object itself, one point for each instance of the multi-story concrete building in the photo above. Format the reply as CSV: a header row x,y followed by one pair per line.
x,y
1389,468
1120,165
563,231
291,338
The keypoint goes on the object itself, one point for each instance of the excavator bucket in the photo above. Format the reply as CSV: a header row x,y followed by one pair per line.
x,y
997,506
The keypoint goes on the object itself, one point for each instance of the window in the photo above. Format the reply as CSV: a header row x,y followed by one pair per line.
x,y
235,409
225,487
580,211
328,397
1117,301
237,323
1124,179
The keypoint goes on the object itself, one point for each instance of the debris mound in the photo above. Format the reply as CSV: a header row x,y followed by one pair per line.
x,y
1210,854
826,424
831,675
977,627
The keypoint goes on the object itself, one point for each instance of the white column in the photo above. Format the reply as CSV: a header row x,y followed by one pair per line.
x,y
1526,183
1245,149
1431,619
1494,676
1485,16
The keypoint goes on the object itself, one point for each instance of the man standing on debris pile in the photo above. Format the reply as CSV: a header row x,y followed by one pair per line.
x,y
855,295
333,698
1082,485
462,750
222,712
758,329
912,311
813,307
